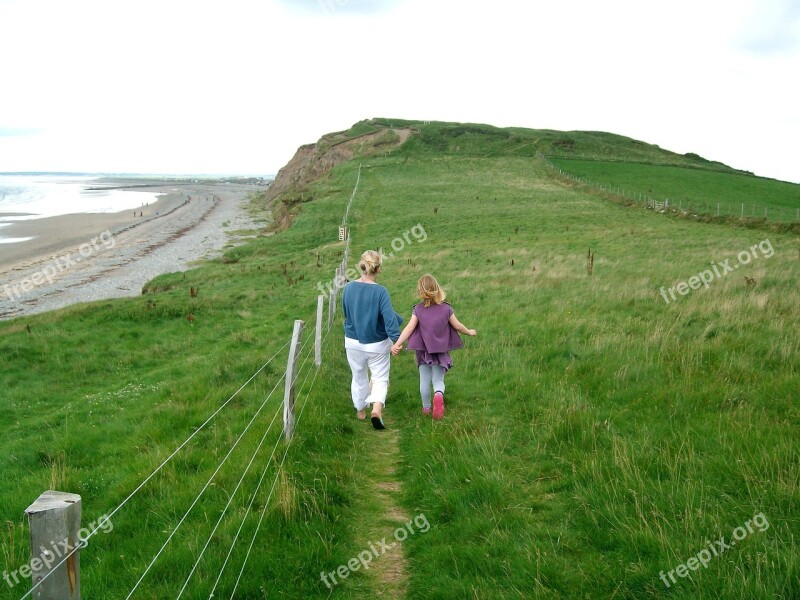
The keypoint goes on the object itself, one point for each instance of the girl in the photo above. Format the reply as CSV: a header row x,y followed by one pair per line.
x,y
432,333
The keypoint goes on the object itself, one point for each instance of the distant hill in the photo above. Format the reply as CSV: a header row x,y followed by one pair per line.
x,y
378,136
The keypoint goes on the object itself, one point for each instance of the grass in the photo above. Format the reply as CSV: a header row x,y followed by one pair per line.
x,y
696,190
595,435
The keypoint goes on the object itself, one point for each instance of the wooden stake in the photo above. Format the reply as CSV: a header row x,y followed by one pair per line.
x,y
55,520
318,331
331,306
291,379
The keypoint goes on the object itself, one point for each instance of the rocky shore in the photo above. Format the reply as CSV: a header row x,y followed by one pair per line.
x,y
88,257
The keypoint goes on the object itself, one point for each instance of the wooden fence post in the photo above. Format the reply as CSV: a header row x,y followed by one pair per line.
x,y
55,520
331,306
318,331
291,378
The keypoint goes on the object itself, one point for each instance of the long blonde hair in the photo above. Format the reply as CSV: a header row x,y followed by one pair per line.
x,y
429,290
370,262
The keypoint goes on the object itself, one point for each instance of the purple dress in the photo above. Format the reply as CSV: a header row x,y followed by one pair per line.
x,y
434,337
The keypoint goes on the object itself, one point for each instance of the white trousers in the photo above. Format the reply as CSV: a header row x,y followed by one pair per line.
x,y
366,365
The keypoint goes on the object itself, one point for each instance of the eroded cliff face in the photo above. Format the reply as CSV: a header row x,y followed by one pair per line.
x,y
311,162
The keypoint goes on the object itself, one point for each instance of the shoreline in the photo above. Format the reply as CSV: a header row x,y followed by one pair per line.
x,y
96,256
51,235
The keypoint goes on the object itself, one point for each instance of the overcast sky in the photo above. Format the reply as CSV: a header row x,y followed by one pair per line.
x,y
172,86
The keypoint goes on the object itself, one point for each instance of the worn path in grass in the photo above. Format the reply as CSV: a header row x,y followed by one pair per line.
x,y
384,513
379,507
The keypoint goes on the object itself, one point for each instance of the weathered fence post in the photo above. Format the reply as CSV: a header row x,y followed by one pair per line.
x,y
291,378
331,306
318,331
55,520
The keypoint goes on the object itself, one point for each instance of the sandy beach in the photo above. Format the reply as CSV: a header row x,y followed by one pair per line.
x,y
96,256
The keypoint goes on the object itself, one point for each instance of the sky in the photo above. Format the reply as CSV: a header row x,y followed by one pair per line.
x,y
172,86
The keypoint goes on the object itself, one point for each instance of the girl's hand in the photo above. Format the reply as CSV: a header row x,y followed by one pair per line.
x,y
396,349
472,332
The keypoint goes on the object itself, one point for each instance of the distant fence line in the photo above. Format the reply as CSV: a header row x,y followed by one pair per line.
x,y
741,210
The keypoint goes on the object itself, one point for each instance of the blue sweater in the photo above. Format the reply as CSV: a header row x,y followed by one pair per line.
x,y
368,313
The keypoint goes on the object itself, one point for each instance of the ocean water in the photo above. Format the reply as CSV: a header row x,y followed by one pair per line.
x,y
38,196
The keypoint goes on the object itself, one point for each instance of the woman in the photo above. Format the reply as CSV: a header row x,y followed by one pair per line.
x,y
370,327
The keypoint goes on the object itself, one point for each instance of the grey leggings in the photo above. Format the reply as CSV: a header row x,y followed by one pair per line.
x,y
430,376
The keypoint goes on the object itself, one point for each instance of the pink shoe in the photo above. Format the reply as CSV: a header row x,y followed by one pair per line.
x,y
426,411
438,405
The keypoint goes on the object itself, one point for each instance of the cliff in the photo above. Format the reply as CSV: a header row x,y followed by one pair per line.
x,y
311,162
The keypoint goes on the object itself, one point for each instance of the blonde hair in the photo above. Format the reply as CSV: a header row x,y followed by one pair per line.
x,y
429,290
370,262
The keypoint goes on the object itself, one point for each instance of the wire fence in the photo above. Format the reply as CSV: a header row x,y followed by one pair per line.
x,y
306,351
84,542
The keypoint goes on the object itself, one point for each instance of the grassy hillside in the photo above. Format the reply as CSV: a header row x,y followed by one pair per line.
x,y
599,432
699,191
471,139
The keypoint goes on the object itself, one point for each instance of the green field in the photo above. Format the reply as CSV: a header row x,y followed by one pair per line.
x,y
693,189
596,436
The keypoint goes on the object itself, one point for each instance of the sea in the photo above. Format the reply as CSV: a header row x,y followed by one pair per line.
x,y
35,196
